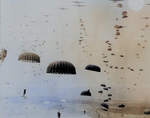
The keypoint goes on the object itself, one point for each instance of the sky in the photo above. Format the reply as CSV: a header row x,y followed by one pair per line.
x,y
81,32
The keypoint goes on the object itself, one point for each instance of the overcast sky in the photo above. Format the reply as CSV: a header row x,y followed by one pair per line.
x,y
81,32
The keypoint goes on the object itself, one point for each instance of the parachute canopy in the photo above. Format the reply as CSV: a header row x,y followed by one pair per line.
x,y
119,5
118,27
29,57
124,16
105,89
105,109
105,105
109,87
121,106
124,13
109,94
106,100
3,55
86,93
147,111
61,67
117,33
103,85
100,91
93,68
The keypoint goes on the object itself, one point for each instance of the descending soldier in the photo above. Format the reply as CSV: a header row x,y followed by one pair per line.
x,y
58,114
24,92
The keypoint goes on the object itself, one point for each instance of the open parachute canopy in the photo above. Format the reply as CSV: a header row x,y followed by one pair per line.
x,y
86,93
29,57
105,105
93,68
3,54
61,67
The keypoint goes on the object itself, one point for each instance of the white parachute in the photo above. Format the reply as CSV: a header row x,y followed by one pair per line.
x,y
3,55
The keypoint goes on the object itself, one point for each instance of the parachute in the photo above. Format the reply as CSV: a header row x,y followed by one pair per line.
x,y
61,67
119,5
93,68
105,109
147,112
100,91
103,85
106,100
105,105
121,106
105,89
109,87
124,13
86,93
109,95
117,33
29,57
3,55
124,16
118,27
